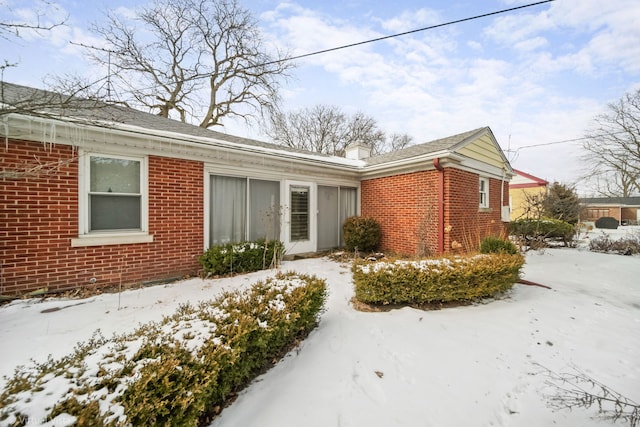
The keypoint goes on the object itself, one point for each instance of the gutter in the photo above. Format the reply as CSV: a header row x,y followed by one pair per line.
x,y
438,166
140,137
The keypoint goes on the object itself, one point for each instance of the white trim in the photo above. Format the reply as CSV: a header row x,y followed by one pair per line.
x,y
206,230
486,203
117,239
88,238
299,246
141,141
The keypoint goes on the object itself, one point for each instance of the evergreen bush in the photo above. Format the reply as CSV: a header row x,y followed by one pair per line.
x,y
539,230
242,257
438,280
497,245
361,233
175,372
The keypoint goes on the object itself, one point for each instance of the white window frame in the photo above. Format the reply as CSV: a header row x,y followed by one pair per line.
x,y
116,237
483,202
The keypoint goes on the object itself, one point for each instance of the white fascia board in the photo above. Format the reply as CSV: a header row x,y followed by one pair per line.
x,y
101,134
484,169
412,164
189,140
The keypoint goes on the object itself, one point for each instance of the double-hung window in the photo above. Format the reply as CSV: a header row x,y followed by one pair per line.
x,y
113,200
484,193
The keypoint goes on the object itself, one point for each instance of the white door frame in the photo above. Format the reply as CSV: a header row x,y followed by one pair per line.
x,y
297,247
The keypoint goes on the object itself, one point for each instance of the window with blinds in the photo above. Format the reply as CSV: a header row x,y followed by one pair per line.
x,y
299,203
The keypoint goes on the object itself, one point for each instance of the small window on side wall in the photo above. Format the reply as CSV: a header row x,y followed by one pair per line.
x,y
484,193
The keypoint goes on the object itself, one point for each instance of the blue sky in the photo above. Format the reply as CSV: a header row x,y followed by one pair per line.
x,y
535,76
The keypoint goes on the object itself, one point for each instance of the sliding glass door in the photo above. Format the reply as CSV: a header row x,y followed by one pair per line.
x,y
243,209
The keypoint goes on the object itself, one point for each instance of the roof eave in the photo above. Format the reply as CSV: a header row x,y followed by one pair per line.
x,y
414,164
187,141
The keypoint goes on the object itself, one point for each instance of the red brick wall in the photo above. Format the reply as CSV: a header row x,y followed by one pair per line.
x,y
630,214
406,206
465,223
39,217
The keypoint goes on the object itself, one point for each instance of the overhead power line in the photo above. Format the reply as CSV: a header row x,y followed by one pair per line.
x,y
360,43
564,141
516,152
431,27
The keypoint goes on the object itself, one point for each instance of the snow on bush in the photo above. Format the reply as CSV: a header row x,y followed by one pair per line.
x,y
436,280
171,372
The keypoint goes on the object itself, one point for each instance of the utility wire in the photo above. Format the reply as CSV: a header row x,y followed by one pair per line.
x,y
515,153
564,141
457,21
360,43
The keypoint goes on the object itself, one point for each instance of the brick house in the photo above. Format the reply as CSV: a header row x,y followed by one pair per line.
x,y
106,195
625,209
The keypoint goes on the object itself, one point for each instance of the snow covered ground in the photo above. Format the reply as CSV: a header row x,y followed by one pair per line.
x,y
479,365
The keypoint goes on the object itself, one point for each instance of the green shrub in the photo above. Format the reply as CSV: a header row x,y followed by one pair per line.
x,y
242,257
496,245
361,233
532,230
177,371
436,280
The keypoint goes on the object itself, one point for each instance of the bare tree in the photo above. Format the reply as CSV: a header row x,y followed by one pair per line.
x,y
321,128
327,129
399,141
613,147
41,21
572,390
22,100
11,29
203,60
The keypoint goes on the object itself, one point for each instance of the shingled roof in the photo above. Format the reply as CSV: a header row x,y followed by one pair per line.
x,y
41,103
37,102
626,201
448,144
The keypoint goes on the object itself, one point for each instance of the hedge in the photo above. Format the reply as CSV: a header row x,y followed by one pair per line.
x,y
242,257
497,245
439,280
537,229
361,233
173,372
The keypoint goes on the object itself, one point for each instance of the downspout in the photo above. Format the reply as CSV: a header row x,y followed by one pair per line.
x,y
438,166
504,176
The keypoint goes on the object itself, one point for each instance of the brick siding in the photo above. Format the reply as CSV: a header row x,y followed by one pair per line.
x,y
467,223
39,217
406,206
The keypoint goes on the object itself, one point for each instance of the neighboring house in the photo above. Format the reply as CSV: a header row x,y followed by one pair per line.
x,y
108,195
524,188
625,209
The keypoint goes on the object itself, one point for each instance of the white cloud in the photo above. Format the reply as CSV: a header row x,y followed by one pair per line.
x,y
601,33
410,20
474,45
531,44
536,75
